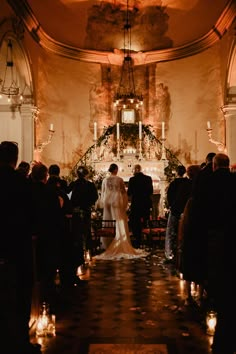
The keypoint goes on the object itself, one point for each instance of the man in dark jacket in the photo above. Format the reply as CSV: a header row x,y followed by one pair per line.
x,y
83,197
140,190
16,257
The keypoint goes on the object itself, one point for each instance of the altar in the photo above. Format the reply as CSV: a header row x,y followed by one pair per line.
x,y
128,145
153,168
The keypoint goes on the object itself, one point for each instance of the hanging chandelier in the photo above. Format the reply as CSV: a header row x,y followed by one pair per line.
x,y
126,97
9,86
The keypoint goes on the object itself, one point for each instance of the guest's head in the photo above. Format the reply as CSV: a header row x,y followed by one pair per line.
x,y
220,161
209,157
54,170
113,168
137,169
39,173
82,171
192,171
181,170
8,153
24,168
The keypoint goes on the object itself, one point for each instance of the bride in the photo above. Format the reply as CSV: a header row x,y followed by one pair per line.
x,y
115,201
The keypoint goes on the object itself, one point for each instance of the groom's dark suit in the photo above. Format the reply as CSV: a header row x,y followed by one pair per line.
x,y
140,190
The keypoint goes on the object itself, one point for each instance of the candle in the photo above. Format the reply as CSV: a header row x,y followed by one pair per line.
x,y
140,130
208,125
51,127
95,131
211,321
163,130
118,131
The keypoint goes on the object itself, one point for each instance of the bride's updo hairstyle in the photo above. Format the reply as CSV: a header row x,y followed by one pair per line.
x,y
113,167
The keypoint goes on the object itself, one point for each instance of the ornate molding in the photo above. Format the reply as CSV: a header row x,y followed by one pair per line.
x,y
23,10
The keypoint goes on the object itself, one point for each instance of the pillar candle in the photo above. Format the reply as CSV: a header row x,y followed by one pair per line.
x,y
163,130
208,125
95,130
140,130
51,127
118,131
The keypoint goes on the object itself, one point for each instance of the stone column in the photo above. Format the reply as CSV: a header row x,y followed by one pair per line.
x,y
27,123
229,112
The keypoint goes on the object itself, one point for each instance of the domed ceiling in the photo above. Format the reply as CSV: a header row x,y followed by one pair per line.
x,y
172,28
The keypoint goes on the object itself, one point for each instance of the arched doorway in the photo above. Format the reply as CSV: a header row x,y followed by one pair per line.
x,y
16,97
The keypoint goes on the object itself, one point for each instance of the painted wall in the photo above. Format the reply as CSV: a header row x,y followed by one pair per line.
x,y
64,94
63,97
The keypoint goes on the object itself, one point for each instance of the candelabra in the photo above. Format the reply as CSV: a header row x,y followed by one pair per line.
x,y
140,150
95,156
118,149
220,146
163,150
39,148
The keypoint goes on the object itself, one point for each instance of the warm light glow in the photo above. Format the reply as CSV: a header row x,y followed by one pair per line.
x,y
211,320
140,129
118,131
95,131
163,130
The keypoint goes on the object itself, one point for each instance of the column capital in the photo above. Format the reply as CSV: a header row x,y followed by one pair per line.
x,y
229,110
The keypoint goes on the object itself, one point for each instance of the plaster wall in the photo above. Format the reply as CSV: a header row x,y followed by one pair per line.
x,y
63,97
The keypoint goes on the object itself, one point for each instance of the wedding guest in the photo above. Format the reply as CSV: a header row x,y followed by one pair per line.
x,y
24,168
178,192
83,197
47,228
16,257
140,190
221,223
54,170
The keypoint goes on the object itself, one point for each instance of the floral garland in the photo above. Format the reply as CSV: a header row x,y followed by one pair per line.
x,y
129,134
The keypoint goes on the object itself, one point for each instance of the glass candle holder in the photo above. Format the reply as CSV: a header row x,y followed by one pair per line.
x,y
211,320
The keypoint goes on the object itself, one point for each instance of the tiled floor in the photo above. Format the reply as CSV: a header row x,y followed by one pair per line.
x,y
128,302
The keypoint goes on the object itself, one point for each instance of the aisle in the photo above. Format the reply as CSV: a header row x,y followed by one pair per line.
x,y
127,303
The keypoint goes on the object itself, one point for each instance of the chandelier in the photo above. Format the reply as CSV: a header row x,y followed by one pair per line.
x,y
126,96
9,86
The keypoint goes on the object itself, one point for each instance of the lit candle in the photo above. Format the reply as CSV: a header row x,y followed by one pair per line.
x,y
140,130
51,127
211,321
163,130
118,131
208,125
95,131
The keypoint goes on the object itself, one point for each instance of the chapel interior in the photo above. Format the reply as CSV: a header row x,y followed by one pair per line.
x,y
65,67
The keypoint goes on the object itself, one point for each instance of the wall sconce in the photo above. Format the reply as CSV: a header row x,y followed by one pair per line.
x,y
211,320
39,148
220,146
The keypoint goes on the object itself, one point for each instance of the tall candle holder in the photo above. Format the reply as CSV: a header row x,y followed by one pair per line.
x,y
118,150
163,150
140,149
95,155
39,148
220,146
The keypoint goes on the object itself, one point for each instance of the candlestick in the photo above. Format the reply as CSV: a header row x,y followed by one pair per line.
x,y
163,130
51,127
140,130
118,131
95,131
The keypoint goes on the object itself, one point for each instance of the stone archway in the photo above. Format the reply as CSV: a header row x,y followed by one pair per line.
x,y
16,116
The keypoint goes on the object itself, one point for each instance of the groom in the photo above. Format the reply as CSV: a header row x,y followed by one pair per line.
x,y
140,190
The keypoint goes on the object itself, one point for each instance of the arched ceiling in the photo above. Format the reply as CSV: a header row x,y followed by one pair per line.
x,y
93,30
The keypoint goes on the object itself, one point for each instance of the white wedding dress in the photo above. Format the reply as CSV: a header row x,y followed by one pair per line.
x,y
115,201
